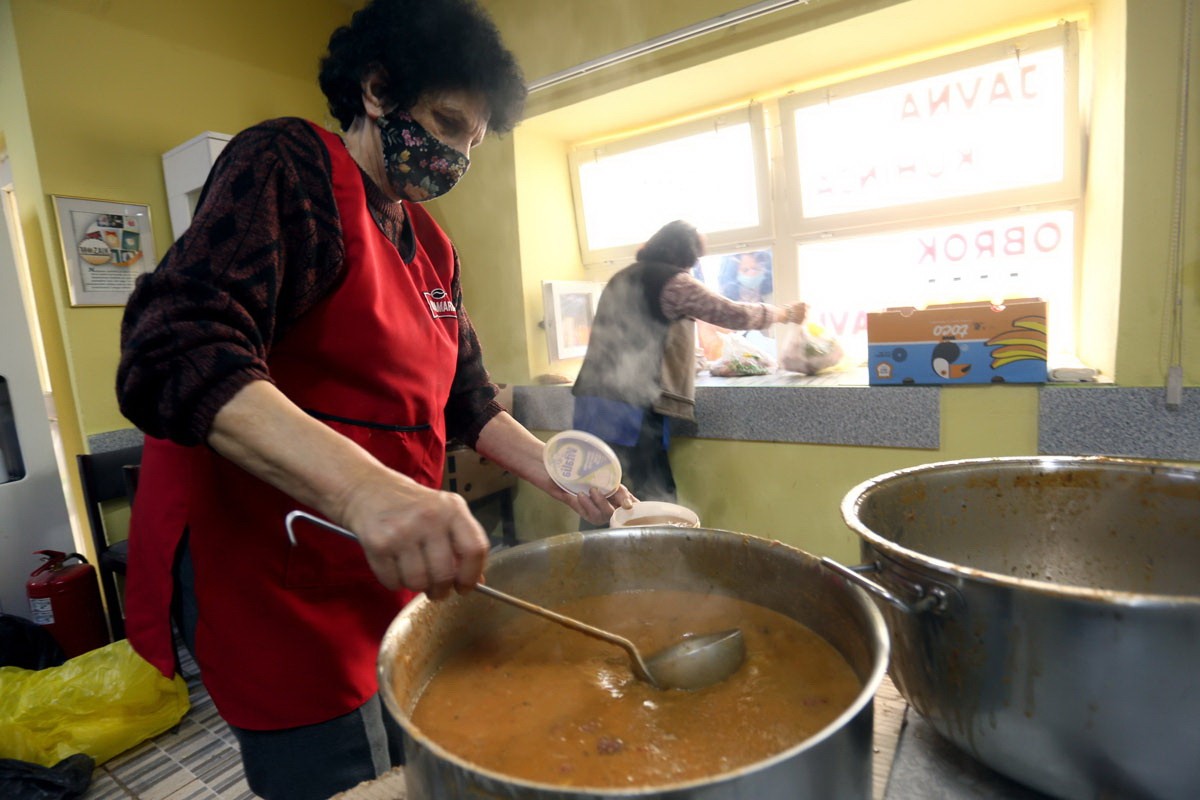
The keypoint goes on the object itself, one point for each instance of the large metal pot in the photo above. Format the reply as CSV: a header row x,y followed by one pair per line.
x,y
1045,615
834,763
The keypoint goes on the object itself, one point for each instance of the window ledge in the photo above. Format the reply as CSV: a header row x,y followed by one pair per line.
x,y
1130,421
837,409
840,409
1073,419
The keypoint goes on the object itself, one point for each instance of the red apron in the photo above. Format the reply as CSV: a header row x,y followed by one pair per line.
x,y
288,635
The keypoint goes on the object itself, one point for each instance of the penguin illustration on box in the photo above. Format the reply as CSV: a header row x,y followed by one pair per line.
x,y
943,358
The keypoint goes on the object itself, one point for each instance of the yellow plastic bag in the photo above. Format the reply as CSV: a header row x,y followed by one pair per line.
x,y
100,703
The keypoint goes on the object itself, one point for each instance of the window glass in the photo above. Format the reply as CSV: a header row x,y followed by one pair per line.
x,y
957,179
982,129
629,195
746,276
1027,255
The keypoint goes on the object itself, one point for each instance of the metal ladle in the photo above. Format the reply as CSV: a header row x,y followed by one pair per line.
x,y
691,663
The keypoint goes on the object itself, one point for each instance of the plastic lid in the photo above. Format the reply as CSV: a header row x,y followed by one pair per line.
x,y
577,461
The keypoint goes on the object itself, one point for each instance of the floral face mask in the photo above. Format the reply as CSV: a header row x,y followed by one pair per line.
x,y
419,166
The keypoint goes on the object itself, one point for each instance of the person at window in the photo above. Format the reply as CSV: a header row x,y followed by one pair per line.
x,y
746,277
304,344
640,366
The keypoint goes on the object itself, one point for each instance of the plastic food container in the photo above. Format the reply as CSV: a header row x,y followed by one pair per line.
x,y
578,461
654,512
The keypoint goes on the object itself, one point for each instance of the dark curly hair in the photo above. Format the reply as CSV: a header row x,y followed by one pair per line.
x,y
423,46
677,243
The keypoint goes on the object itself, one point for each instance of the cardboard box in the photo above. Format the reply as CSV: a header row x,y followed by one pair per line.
x,y
958,343
473,476
470,474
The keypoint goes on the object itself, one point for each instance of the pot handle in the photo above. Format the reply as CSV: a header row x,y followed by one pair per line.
x,y
934,600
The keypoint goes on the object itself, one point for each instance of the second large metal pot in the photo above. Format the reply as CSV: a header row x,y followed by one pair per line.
x,y
835,763
1045,615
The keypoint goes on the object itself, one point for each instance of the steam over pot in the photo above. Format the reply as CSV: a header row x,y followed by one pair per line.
x,y
836,762
1045,615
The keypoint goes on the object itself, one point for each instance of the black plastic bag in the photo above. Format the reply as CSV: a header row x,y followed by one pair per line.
x,y
67,780
25,644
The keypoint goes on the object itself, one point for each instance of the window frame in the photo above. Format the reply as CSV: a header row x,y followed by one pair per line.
x,y
782,227
764,232
1070,188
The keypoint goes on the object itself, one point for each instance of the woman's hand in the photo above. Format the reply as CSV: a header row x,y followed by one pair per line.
x,y
423,539
595,507
419,538
795,313
506,442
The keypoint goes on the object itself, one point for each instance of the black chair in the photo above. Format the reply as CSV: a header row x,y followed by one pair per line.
x,y
109,477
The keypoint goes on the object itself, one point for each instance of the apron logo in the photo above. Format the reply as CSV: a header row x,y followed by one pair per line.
x,y
440,304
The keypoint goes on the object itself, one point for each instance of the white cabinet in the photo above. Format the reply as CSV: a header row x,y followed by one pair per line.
x,y
185,168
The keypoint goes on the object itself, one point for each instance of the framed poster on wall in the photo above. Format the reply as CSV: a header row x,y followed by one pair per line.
x,y
570,307
106,245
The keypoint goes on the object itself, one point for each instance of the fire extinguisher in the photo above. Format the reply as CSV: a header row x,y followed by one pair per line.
x,y
65,598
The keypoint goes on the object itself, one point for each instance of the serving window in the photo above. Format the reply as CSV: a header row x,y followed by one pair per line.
x,y
953,179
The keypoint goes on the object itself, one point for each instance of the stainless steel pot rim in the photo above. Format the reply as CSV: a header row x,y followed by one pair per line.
x,y
866,695
854,499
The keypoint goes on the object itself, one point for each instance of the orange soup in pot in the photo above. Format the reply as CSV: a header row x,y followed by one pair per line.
x,y
536,701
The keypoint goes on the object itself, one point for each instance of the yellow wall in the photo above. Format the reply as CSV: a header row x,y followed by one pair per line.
x,y
549,245
793,492
137,80
1151,120
91,95
95,92
479,215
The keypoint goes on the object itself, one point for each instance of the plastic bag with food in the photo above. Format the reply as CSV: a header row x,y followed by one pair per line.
x,y
807,348
739,358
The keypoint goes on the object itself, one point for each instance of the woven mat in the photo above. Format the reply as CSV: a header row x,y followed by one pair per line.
x,y
889,719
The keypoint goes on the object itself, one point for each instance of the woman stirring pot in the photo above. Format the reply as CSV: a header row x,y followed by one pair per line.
x,y
305,342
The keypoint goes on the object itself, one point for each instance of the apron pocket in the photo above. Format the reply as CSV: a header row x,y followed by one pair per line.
x,y
333,562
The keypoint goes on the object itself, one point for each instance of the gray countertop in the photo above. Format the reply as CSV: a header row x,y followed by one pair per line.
x,y
798,410
1075,419
1118,421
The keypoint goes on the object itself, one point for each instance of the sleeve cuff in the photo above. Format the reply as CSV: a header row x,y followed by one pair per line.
x,y
217,397
470,435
